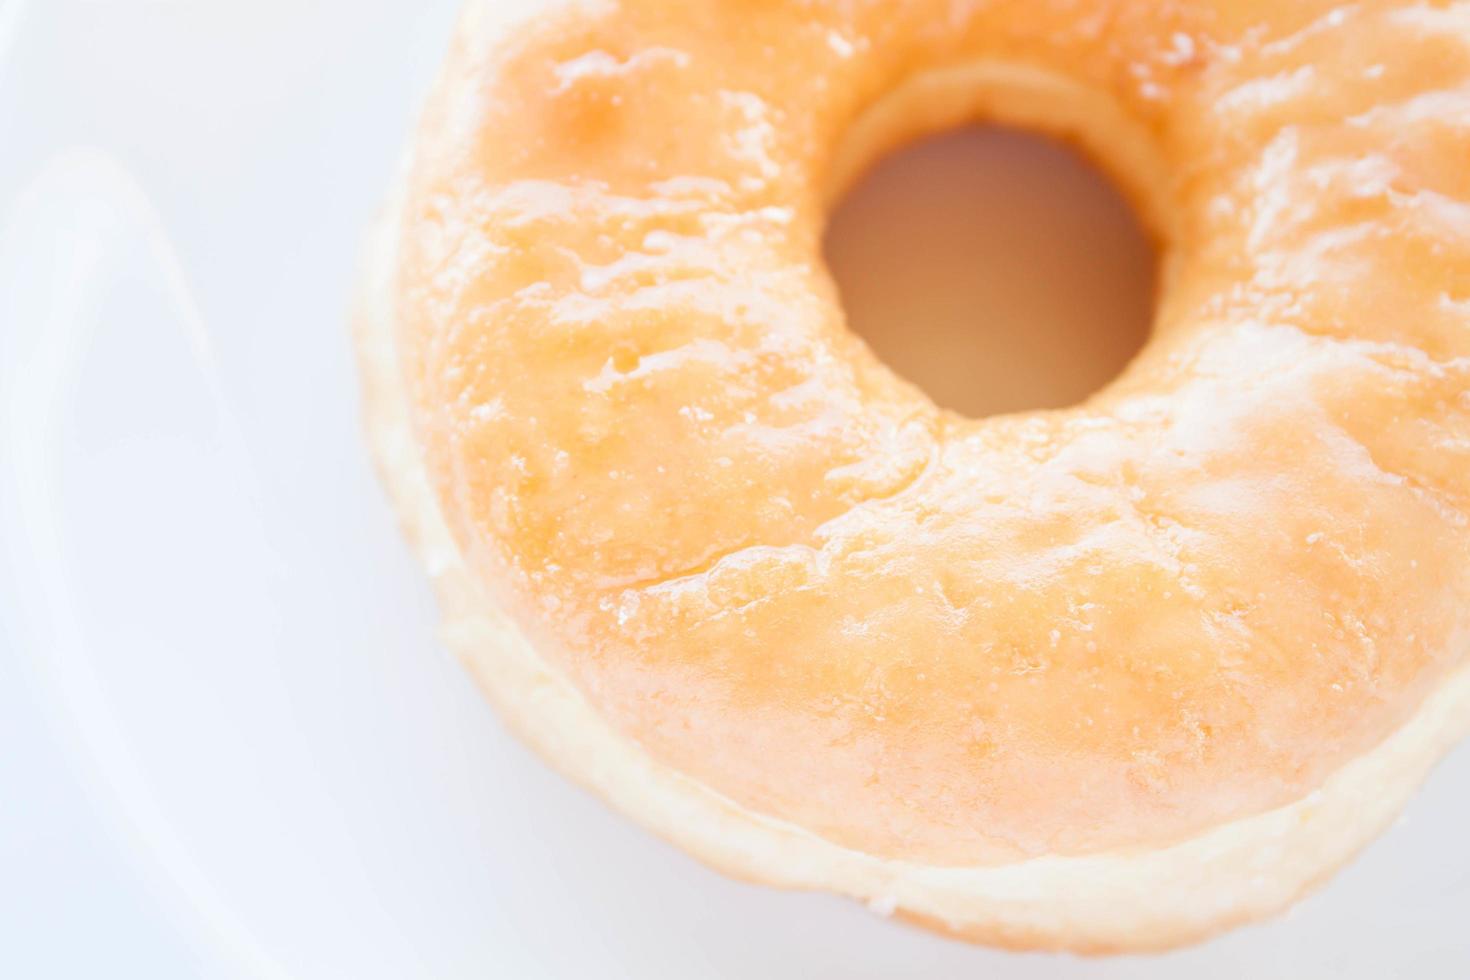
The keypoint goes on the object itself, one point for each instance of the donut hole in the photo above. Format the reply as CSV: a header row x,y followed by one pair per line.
x,y
996,269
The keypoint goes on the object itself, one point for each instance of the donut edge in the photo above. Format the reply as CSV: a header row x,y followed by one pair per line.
x,y
1135,901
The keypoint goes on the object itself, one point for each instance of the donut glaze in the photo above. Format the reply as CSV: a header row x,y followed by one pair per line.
x,y
1114,676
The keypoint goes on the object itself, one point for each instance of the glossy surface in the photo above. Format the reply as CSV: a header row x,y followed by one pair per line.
x,y
387,825
786,573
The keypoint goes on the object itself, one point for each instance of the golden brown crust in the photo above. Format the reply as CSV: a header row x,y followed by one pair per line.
x,y
777,573
1134,900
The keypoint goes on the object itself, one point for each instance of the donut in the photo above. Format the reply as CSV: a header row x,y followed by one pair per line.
x,y
1110,677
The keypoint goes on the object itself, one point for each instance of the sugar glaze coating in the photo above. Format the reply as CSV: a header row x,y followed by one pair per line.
x,y
786,576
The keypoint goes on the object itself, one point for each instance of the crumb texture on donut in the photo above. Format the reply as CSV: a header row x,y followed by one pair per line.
x,y
1017,674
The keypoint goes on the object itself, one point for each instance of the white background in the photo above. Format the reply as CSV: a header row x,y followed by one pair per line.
x,y
229,746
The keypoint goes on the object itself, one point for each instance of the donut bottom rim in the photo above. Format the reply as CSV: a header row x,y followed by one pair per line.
x,y
1142,899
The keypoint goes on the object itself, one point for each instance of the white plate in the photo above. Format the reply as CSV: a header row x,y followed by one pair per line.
x,y
229,745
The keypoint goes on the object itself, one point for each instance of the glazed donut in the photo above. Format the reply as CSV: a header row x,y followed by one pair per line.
x,y
1110,677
